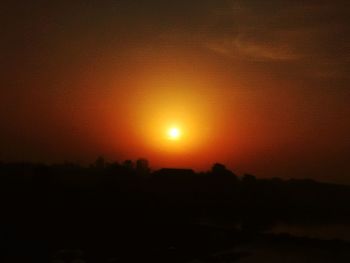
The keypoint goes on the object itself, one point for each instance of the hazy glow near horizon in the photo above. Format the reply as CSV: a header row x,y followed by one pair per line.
x,y
173,119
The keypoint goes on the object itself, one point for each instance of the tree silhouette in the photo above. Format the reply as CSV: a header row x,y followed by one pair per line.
x,y
249,179
219,169
100,163
128,166
142,166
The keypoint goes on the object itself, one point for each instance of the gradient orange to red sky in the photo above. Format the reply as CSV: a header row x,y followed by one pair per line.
x,y
260,87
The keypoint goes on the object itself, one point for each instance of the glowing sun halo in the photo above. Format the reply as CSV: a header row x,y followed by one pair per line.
x,y
174,133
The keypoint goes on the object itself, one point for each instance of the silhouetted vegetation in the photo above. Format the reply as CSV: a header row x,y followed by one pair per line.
x,y
112,212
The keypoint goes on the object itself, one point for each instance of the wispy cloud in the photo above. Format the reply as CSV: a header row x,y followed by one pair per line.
x,y
242,47
312,33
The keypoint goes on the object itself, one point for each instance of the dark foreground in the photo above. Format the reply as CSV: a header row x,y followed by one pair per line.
x,y
95,217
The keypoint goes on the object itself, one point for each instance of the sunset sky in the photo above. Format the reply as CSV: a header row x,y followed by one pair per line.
x,y
261,86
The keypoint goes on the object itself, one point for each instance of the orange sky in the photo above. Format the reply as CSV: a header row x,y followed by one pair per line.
x,y
262,88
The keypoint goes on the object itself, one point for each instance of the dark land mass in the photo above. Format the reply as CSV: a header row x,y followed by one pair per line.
x,y
125,213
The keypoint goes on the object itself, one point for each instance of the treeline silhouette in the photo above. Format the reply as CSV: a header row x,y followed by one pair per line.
x,y
114,209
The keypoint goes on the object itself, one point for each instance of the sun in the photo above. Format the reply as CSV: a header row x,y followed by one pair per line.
x,y
174,133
